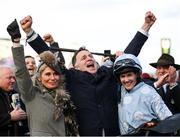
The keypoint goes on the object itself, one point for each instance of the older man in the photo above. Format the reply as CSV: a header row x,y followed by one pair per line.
x,y
166,84
9,117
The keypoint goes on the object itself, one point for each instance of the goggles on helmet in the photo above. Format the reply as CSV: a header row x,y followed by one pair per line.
x,y
125,63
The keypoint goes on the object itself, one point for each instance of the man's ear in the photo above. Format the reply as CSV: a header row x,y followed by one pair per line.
x,y
76,66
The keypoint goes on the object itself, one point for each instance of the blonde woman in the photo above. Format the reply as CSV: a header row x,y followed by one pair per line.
x,y
50,111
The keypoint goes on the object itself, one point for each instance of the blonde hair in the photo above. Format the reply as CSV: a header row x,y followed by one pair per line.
x,y
41,69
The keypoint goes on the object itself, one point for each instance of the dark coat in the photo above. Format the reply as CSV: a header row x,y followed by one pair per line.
x,y
7,128
96,101
171,98
95,96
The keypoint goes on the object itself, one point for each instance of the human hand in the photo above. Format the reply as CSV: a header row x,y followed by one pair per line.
x,y
150,124
104,59
148,21
14,32
48,38
162,80
18,114
150,18
118,53
26,24
172,75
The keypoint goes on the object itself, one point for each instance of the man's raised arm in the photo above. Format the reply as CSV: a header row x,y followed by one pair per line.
x,y
141,36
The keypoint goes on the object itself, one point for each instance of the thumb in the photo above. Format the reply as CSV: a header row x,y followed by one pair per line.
x,y
17,108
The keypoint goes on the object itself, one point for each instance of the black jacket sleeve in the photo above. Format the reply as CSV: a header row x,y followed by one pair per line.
x,y
39,45
55,48
136,44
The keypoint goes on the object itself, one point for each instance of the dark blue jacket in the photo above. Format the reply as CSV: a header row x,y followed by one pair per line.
x,y
6,126
95,96
171,98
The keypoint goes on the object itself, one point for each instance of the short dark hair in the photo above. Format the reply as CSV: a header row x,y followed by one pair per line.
x,y
28,56
75,54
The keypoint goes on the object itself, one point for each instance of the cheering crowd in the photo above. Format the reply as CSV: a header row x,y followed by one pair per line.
x,y
87,99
